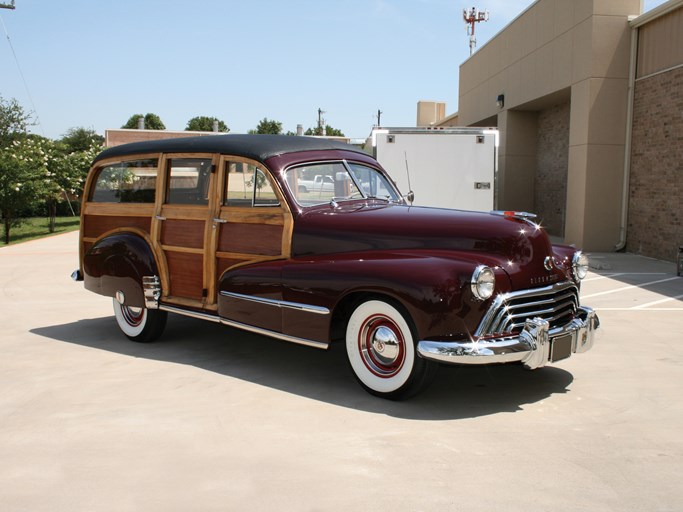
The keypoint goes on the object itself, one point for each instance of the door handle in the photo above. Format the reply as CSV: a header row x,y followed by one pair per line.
x,y
220,221
159,217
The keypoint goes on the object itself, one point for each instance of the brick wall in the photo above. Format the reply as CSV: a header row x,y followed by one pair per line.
x,y
552,160
655,217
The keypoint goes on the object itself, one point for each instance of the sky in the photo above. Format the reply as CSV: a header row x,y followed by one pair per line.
x,y
94,64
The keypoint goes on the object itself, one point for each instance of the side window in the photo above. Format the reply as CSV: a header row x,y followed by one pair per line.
x,y
246,185
188,180
127,182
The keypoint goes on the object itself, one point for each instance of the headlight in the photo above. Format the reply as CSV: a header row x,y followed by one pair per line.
x,y
580,265
483,282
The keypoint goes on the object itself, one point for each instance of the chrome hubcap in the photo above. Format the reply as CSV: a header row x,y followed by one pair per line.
x,y
381,346
385,345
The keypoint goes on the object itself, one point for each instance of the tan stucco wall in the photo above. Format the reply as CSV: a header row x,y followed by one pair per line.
x,y
558,51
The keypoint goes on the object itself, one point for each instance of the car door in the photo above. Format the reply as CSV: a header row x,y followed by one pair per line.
x,y
253,224
182,228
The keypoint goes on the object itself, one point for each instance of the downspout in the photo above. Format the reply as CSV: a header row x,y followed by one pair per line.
x,y
629,133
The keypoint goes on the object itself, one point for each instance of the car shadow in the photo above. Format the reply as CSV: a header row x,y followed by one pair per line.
x,y
458,391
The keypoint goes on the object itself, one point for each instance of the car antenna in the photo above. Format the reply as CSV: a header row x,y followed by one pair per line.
x,y
410,195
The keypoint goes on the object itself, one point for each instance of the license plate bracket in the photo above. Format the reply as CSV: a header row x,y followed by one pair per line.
x,y
560,347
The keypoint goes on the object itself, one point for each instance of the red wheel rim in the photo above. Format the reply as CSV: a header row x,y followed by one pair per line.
x,y
133,316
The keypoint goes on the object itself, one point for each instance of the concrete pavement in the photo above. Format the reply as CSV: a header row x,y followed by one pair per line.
x,y
210,418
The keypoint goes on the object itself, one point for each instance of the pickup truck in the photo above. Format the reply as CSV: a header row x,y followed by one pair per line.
x,y
317,184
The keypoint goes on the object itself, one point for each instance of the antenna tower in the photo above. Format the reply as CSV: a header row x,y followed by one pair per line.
x,y
471,17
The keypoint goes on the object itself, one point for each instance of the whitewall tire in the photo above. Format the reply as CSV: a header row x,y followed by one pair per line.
x,y
139,324
381,350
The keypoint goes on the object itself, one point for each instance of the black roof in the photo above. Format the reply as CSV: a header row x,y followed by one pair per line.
x,y
256,147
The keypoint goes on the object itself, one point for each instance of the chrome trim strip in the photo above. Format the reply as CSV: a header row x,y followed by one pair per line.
x,y
186,312
273,334
532,346
318,310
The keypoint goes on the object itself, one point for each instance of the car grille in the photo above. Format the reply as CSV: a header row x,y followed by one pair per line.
x,y
556,304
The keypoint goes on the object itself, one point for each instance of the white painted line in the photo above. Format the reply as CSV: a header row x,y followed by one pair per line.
x,y
638,309
641,285
608,276
643,306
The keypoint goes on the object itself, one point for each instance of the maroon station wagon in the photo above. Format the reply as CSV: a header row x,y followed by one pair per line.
x,y
309,241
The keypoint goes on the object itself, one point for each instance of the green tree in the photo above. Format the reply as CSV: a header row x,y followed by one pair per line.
x,y
268,126
20,172
205,124
81,139
152,122
13,121
329,131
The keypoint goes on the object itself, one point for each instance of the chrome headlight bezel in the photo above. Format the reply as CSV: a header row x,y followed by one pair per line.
x,y
579,265
483,282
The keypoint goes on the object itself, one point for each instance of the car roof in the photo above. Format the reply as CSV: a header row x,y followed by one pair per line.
x,y
255,147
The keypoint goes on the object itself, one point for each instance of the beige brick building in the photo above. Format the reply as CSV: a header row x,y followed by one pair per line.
x,y
588,98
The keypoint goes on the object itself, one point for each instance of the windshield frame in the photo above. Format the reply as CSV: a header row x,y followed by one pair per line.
x,y
347,167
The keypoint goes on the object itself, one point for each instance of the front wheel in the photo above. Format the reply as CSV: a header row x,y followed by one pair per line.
x,y
380,346
140,324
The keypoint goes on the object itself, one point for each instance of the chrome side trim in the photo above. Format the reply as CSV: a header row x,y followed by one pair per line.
x,y
244,327
193,314
532,346
318,310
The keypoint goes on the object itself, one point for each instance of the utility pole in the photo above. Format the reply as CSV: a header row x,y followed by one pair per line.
x,y
321,121
8,6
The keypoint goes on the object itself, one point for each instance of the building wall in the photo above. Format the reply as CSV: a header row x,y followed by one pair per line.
x,y
550,188
655,213
116,137
573,52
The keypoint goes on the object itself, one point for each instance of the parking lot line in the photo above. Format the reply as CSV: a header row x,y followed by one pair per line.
x,y
643,306
629,287
616,274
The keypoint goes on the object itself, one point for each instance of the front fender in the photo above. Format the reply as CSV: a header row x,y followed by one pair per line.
x,y
432,286
117,262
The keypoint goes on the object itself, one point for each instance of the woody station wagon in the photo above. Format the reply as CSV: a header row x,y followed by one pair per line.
x,y
309,241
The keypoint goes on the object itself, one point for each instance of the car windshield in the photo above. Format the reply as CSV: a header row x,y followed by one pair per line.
x,y
322,182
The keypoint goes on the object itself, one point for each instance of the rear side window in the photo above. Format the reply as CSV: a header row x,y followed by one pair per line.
x,y
246,185
133,181
188,180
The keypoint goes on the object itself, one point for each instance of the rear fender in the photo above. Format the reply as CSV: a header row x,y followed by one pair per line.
x,y
117,262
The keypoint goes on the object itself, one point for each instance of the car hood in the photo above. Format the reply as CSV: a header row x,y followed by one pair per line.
x,y
517,246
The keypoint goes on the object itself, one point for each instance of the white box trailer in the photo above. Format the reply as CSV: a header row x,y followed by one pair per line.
x,y
447,167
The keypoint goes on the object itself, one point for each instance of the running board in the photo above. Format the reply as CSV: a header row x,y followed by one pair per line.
x,y
244,327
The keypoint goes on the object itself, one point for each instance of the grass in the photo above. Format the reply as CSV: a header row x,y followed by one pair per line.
x,y
38,227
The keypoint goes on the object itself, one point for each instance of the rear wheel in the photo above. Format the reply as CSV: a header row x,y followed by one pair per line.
x,y
140,324
380,346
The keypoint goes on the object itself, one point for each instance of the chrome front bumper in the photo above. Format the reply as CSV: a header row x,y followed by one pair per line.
x,y
534,346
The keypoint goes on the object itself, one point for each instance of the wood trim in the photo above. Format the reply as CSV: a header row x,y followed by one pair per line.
x,y
188,250
185,212
119,209
181,301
